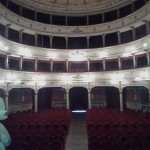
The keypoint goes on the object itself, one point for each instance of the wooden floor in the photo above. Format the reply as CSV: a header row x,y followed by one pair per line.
x,y
77,138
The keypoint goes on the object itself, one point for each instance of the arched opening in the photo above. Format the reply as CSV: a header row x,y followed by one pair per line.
x,y
78,97
112,97
21,99
136,97
105,97
51,97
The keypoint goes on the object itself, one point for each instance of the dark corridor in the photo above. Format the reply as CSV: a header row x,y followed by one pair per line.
x,y
78,98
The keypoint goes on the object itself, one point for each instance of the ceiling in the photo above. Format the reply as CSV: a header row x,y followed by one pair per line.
x,y
73,6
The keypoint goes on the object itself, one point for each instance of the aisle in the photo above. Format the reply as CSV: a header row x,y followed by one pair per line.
x,y
77,138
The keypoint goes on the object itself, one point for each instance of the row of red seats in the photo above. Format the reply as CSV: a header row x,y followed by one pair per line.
x,y
115,130
39,131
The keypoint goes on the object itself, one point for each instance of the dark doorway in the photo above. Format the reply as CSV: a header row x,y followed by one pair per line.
x,y
78,97
112,97
44,98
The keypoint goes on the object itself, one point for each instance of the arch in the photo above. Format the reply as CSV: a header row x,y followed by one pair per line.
x,y
135,96
51,97
21,99
107,96
78,97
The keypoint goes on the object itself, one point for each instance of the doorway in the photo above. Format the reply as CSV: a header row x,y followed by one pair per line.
x,y
78,97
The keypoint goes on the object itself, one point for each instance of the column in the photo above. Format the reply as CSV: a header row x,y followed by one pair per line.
x,y
89,100
118,13
66,38
6,30
88,38
87,20
51,41
121,100
36,36
119,63
66,20
6,62
35,15
6,100
119,37
103,37
51,65
104,64
148,60
134,61
133,33
67,100
50,18
88,65
20,10
103,17
67,65
20,35
147,26
35,101
20,64
35,65
133,6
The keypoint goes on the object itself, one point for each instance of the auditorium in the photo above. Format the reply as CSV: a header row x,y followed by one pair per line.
x,y
75,74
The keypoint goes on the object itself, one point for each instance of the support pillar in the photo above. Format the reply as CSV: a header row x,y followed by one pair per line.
x,y
35,39
133,33
6,62
20,63
147,26
66,38
119,63
6,30
121,100
67,100
35,65
104,64
89,100
148,60
20,35
66,19
35,101
67,65
134,61
88,65
118,13
119,38
88,44
35,15
51,65
51,41
103,37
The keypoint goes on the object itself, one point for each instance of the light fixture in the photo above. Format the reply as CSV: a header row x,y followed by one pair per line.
x,y
25,52
89,78
103,54
53,55
145,45
117,78
126,54
66,79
